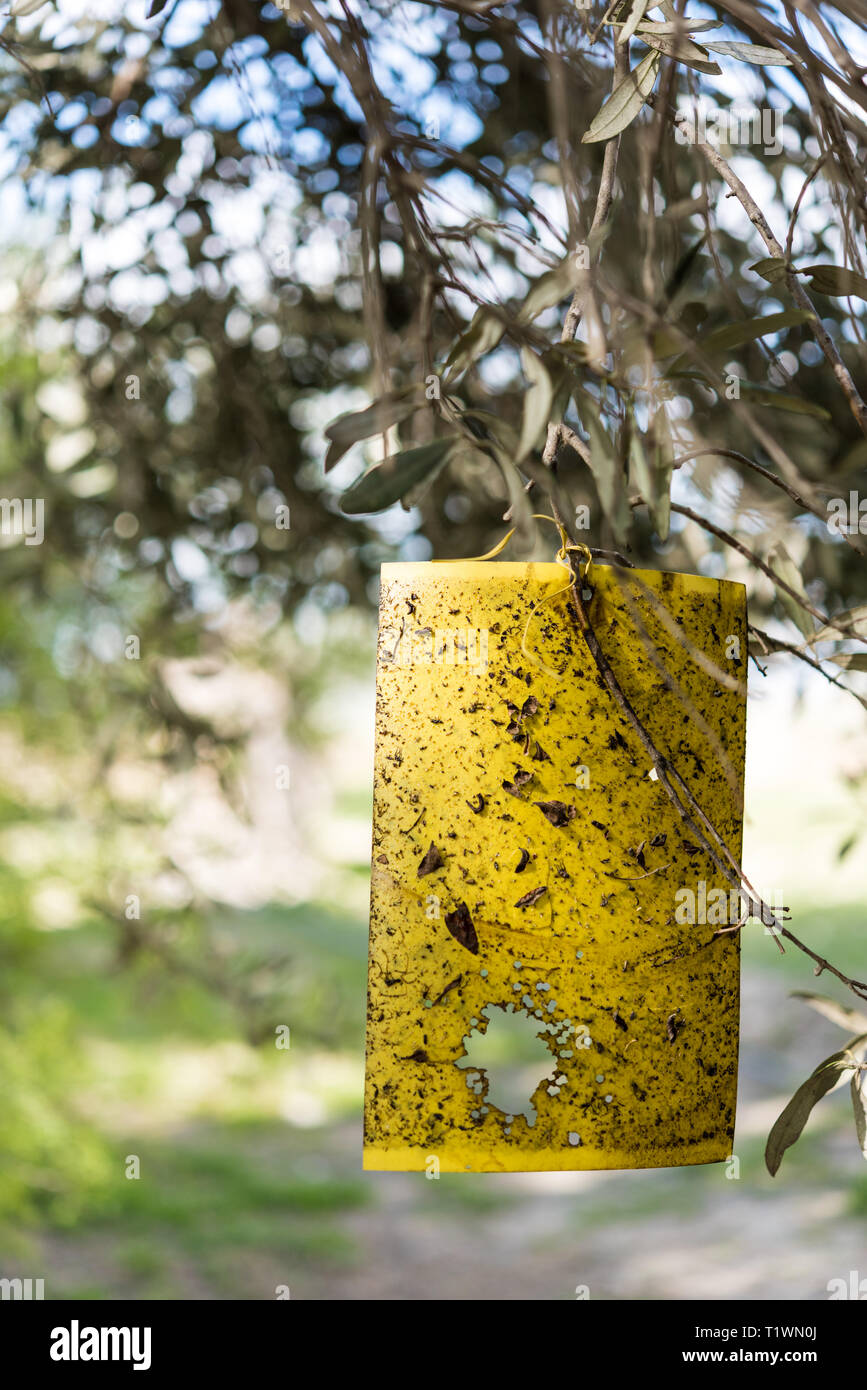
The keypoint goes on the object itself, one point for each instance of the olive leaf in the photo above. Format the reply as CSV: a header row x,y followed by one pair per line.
x,y
851,623
859,1105
537,402
663,467
376,418
520,509
640,472
636,15
771,268
751,53
788,1126
735,335
748,330
840,1014
678,26
564,364
490,429
487,327
784,566
397,475
549,289
625,102
851,661
692,55
484,333
782,400
604,464
651,469
835,279
681,271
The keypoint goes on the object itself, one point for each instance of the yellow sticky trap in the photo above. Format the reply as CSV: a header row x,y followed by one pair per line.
x,y
526,868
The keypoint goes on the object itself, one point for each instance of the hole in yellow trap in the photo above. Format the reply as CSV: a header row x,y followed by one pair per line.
x,y
506,1061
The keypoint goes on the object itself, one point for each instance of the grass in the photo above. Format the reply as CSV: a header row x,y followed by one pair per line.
x,y
209,1213
468,1194
179,1183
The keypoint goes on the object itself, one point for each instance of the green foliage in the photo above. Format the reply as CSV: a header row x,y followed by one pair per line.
x,y
53,1165
787,1128
396,477
848,1063
625,101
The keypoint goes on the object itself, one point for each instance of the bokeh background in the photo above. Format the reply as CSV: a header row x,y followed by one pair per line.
x,y
185,816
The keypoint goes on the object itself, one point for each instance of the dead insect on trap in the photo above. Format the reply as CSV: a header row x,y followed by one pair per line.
x,y
528,870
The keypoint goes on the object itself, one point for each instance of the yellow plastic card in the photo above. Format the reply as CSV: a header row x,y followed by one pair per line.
x,y
530,874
